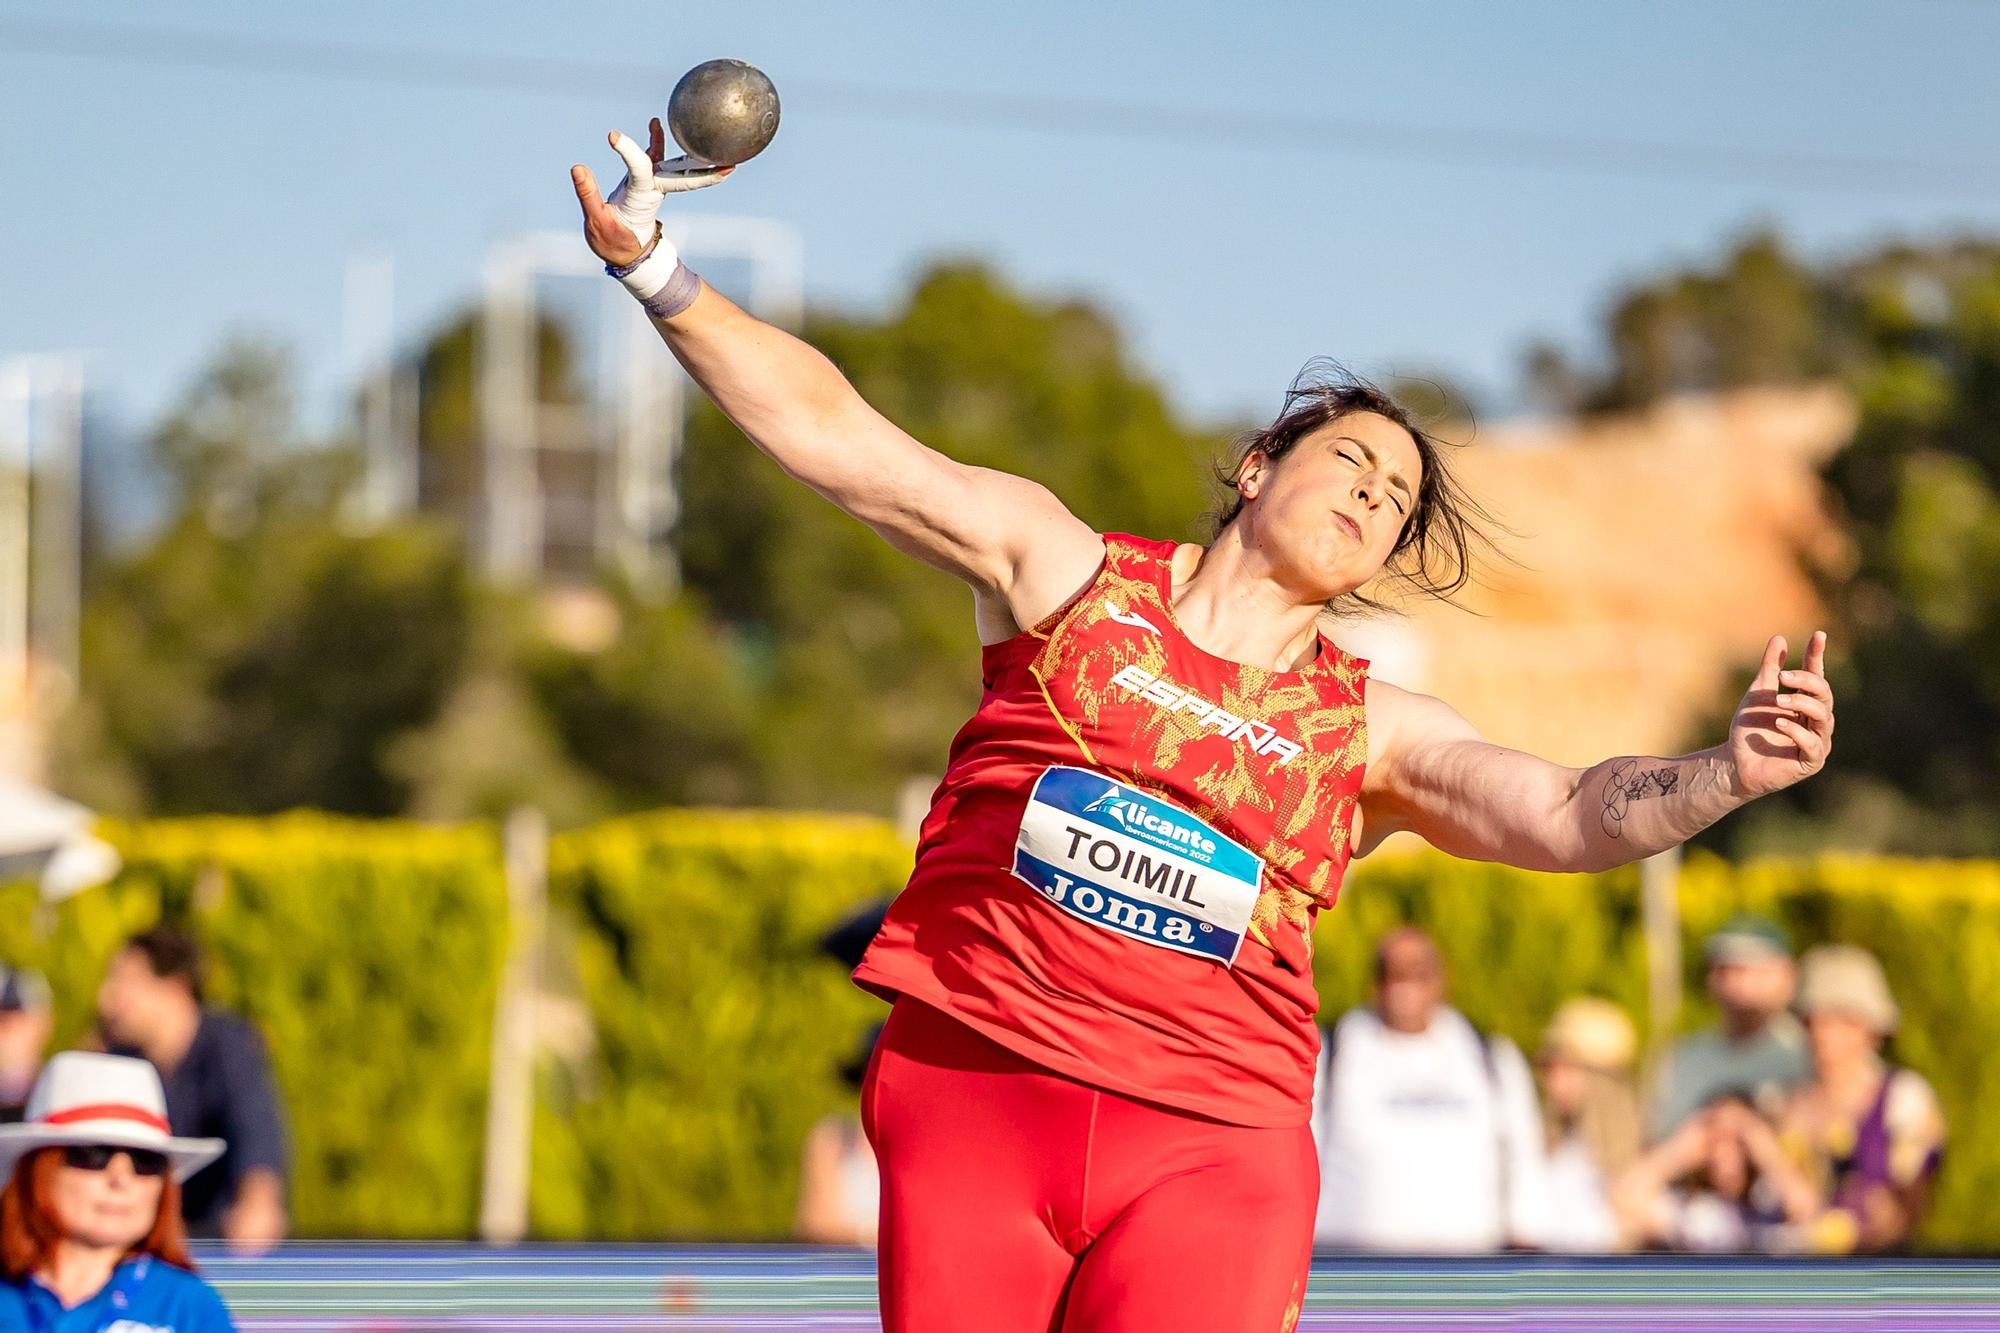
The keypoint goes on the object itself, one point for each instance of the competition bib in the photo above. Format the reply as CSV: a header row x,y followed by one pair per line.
x,y
1135,864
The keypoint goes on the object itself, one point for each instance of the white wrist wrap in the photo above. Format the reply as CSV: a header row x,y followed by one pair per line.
x,y
653,272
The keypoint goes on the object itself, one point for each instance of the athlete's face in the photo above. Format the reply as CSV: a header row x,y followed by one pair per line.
x,y
1332,508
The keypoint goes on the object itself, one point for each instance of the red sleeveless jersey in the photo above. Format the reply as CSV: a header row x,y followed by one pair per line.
x,y
1119,872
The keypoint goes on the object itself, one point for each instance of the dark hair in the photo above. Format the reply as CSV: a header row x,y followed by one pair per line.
x,y
1434,556
171,952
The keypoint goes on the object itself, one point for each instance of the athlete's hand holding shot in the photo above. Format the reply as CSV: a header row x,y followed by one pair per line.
x,y
1090,1101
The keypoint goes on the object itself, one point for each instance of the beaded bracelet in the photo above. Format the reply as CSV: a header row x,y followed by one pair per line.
x,y
622,271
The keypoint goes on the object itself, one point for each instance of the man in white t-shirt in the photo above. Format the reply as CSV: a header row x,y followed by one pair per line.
x,y
1428,1130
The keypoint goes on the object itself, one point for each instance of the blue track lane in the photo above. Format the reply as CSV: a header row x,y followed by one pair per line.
x,y
388,1288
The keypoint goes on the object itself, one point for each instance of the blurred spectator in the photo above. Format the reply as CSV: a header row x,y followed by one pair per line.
x,y
1592,1117
27,1017
218,1083
1428,1134
1755,1047
1861,1140
1706,1187
840,1186
91,1239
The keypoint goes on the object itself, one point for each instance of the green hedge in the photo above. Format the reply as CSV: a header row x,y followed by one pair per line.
x,y
368,953
719,1026
1518,944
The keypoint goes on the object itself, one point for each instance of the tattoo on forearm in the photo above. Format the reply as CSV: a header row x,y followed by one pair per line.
x,y
1627,782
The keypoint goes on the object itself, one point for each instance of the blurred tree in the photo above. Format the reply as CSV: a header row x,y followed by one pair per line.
x,y
866,661
665,715
1920,490
492,746
261,654
1915,331
256,656
264,669
1551,380
450,462
1761,317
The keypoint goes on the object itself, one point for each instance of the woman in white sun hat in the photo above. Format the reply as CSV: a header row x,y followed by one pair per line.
x,y
91,1239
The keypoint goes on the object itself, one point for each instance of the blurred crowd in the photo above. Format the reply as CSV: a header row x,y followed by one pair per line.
x,y
1785,1127
1782,1128
212,1068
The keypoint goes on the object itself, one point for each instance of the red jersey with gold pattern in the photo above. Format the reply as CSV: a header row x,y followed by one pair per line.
x,y
1119,872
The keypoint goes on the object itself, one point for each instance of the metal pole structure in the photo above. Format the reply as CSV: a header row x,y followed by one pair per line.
x,y
16,424
388,486
511,481
645,503
1659,891
56,510
642,502
510,1101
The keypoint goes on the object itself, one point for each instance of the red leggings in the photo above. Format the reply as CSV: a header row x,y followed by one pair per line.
x,y
1015,1200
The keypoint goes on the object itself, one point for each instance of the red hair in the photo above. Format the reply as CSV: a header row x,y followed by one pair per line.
x,y
30,1229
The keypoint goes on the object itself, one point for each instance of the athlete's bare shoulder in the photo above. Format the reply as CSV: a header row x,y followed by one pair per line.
x,y
1057,557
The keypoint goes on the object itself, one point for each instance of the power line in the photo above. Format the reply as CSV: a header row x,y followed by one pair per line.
x,y
1247,131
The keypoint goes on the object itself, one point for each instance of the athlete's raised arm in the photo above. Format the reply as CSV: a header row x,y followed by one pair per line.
x,y
1013,541
1430,772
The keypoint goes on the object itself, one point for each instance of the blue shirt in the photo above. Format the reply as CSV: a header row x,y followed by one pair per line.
x,y
143,1296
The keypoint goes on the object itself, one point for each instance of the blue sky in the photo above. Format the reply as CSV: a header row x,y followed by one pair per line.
x,y
152,207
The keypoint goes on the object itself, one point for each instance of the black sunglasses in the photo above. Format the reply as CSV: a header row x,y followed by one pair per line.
x,y
97,1156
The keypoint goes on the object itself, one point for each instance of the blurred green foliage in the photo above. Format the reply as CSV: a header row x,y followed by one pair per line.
x,y
1915,656
694,1032
865,662
265,651
719,1025
367,953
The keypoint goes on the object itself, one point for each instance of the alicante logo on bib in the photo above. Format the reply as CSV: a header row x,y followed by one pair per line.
x,y
1135,864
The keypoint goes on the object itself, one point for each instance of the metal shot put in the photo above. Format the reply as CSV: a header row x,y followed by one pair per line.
x,y
723,112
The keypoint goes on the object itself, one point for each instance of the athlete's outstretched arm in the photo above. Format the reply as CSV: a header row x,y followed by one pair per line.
x,y
1005,535
1430,772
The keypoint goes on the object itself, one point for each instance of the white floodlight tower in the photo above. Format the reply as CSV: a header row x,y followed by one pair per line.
x,y
387,394
41,520
637,504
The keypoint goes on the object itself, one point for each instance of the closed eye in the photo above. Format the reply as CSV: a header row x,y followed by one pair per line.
x,y
1342,454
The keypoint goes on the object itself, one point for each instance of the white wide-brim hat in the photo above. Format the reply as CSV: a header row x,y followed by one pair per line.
x,y
85,1098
